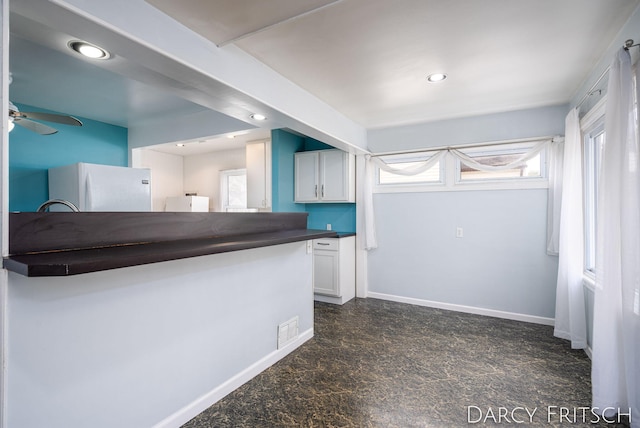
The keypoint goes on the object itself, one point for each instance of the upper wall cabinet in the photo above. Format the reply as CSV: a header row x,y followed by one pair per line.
x,y
258,157
324,176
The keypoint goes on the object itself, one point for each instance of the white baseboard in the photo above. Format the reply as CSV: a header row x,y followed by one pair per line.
x,y
462,308
329,299
193,409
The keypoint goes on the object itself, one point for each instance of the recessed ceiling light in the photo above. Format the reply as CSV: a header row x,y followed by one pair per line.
x,y
180,145
258,116
231,136
436,77
88,50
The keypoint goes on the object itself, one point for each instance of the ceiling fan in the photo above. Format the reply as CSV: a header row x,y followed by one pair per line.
x,y
27,120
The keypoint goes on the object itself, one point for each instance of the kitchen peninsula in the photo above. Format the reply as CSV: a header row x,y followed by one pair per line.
x,y
148,318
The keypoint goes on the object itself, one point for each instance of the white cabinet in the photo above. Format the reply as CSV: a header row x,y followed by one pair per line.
x,y
258,157
324,176
334,274
187,204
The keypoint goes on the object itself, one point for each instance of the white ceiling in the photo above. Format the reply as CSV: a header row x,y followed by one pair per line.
x,y
369,58
366,58
231,141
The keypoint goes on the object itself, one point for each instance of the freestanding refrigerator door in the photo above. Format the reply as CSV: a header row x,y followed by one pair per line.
x,y
111,188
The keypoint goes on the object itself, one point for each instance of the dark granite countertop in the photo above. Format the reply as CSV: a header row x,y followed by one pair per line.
x,y
46,244
72,262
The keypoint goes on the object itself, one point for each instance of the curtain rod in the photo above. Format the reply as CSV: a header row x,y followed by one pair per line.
x,y
628,44
556,138
592,90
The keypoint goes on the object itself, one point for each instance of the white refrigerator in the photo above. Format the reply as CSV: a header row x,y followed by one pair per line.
x,y
93,187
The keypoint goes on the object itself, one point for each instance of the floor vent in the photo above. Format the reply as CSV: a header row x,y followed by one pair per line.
x,y
287,332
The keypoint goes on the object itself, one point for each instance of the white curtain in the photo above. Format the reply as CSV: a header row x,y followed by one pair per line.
x,y
370,239
616,335
530,154
570,318
554,197
412,170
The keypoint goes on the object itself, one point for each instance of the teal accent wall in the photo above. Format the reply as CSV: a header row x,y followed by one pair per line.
x,y
283,145
341,216
31,155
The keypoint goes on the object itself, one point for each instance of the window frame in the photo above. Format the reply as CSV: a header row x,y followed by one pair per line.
x,y
498,150
591,123
416,185
224,190
449,167
593,142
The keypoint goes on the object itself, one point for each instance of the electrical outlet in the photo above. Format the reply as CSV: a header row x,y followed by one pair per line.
x,y
459,232
328,226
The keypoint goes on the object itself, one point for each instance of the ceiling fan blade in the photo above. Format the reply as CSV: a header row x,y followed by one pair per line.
x,y
35,126
50,117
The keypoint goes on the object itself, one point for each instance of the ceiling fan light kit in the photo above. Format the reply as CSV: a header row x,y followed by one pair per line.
x,y
28,120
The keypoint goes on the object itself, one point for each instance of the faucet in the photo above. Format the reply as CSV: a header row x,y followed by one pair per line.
x,y
42,208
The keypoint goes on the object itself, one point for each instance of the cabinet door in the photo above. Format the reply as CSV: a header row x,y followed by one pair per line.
x,y
306,177
325,273
258,157
334,183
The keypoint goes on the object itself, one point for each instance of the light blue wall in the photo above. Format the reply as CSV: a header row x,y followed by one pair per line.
x,y
31,155
501,263
341,216
530,123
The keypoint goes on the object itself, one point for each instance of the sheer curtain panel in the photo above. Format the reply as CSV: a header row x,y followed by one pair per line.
x,y
554,198
570,318
616,335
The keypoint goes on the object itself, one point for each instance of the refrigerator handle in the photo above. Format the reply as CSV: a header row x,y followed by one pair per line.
x,y
87,193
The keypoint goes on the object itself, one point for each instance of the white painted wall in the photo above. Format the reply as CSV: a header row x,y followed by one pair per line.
x,y
167,172
4,200
136,346
202,173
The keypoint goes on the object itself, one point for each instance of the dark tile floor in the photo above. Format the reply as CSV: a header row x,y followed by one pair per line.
x,y
374,363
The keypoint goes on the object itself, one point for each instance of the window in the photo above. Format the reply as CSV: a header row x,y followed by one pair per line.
x,y
233,192
499,156
451,173
594,140
432,175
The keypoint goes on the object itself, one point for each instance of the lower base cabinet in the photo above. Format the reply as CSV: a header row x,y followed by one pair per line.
x,y
334,273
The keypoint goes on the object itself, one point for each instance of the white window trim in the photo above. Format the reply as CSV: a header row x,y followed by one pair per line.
x,y
587,123
594,115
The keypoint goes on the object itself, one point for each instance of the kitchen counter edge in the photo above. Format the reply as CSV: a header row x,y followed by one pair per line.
x,y
80,261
